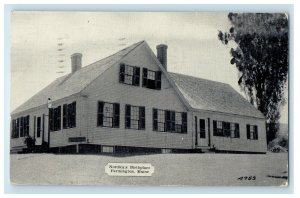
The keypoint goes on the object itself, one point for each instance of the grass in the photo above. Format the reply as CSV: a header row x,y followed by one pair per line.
x,y
170,169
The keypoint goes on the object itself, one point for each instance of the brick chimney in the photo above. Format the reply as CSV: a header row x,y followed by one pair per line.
x,y
76,61
162,54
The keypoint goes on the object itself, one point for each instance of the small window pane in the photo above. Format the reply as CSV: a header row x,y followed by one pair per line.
x,y
151,75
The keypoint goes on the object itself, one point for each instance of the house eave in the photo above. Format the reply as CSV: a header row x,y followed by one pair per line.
x,y
15,114
227,114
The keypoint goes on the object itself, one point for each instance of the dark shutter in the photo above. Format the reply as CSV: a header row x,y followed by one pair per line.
x,y
226,129
58,118
172,123
136,76
22,127
255,133
145,73
116,119
142,118
74,115
248,131
51,121
65,116
18,128
122,73
27,126
158,80
237,130
100,113
127,116
13,128
70,115
167,120
154,114
215,127
184,122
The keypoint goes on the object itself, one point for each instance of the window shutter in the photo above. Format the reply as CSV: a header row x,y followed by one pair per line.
x,y
65,116
12,128
158,80
237,130
74,115
58,127
215,127
154,114
51,119
255,133
17,127
184,122
28,124
172,120
122,73
70,112
167,120
136,76
100,113
127,116
145,73
142,118
248,131
116,120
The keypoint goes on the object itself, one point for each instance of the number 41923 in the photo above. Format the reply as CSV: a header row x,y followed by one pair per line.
x,y
247,178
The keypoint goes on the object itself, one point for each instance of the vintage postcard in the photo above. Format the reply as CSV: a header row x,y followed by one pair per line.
x,y
149,98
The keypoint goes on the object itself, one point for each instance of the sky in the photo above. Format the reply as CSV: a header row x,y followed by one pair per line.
x,y
42,42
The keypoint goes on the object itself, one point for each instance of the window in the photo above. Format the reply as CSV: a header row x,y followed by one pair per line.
x,y
226,129
151,79
252,133
202,128
158,120
107,149
55,118
20,127
178,122
108,114
38,127
169,121
69,115
134,117
129,75
234,130
218,128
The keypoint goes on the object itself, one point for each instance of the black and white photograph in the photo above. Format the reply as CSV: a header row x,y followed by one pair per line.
x,y
149,98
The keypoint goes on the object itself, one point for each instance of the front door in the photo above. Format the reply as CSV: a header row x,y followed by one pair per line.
x,y
203,136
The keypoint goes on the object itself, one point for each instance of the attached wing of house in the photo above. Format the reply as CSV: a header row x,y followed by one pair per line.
x,y
214,96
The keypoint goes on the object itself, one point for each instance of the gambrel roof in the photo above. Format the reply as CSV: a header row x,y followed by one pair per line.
x,y
196,93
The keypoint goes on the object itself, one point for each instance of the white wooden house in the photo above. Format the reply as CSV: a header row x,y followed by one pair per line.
x,y
129,101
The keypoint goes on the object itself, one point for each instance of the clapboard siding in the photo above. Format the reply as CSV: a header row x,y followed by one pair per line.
x,y
108,89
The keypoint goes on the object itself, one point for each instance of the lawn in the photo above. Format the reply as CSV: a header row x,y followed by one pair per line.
x,y
170,169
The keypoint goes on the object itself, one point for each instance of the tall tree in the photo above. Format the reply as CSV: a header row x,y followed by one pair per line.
x,y
261,57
